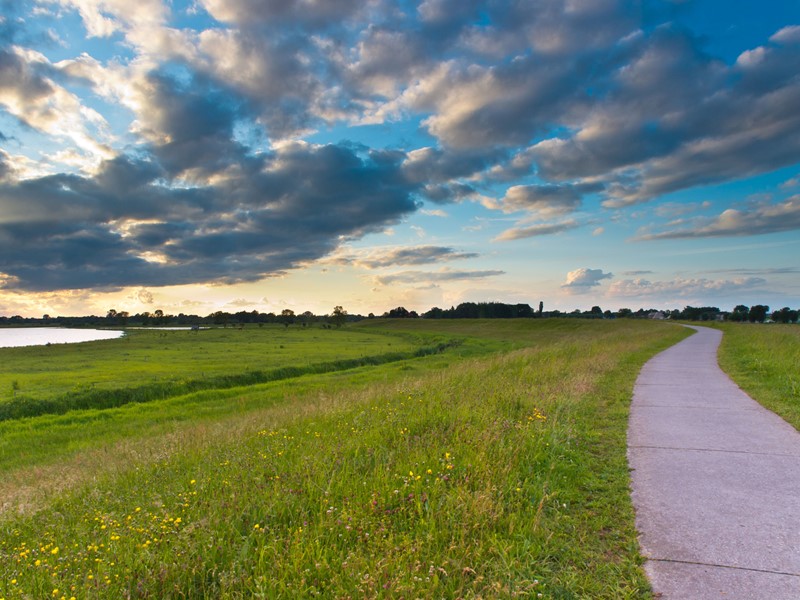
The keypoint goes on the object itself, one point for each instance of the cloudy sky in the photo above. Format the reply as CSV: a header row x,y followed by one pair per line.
x,y
197,155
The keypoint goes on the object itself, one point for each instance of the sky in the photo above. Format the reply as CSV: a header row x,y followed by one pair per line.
x,y
203,155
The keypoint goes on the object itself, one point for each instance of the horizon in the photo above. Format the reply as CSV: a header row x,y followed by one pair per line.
x,y
198,155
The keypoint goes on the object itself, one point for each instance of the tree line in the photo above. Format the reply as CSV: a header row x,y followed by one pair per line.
x,y
757,313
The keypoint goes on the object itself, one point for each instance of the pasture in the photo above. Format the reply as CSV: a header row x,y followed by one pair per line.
x,y
481,459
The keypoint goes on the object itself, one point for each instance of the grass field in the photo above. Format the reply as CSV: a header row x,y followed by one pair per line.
x,y
765,361
494,468
147,365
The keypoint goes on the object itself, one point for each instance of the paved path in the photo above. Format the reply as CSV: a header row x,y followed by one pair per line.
x,y
716,481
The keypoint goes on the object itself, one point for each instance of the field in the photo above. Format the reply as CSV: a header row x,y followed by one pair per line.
x,y
765,362
474,459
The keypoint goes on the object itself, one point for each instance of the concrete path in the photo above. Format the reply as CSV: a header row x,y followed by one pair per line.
x,y
716,481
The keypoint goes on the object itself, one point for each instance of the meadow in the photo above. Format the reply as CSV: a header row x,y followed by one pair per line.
x,y
765,362
489,465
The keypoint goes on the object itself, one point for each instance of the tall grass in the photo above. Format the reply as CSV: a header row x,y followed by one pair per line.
x,y
764,360
498,477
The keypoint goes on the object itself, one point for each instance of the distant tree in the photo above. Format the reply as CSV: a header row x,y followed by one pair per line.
x,y
111,314
541,307
758,313
624,312
434,313
338,316
596,312
785,315
740,313
219,318
397,313
287,317
700,313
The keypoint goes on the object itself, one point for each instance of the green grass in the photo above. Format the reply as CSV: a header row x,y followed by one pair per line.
x,y
151,365
496,469
764,360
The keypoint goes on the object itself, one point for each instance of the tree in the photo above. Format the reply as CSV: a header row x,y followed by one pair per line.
x,y
541,307
740,313
339,316
287,317
401,312
758,313
785,315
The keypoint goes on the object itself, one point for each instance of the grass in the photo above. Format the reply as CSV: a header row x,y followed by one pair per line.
x,y
493,470
763,360
150,365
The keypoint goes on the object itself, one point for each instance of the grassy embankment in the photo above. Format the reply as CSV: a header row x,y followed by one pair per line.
x,y
764,360
439,476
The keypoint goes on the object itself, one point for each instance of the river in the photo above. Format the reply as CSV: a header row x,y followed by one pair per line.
x,y
14,337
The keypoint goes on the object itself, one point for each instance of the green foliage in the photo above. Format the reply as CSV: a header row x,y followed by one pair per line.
x,y
458,474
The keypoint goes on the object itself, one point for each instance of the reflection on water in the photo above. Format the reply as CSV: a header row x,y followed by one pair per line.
x,y
14,337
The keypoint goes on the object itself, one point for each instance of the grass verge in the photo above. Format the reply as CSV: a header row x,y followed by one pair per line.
x,y
502,476
763,360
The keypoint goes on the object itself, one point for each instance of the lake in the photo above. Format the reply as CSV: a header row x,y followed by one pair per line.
x,y
14,337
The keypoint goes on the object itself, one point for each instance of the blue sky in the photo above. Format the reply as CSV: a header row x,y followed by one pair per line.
x,y
200,155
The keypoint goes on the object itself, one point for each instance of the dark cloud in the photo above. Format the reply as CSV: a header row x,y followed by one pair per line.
x,y
303,14
77,232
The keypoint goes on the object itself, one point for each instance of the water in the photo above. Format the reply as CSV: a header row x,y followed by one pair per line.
x,y
14,337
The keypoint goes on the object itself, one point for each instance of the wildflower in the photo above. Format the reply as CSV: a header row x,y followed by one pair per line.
x,y
54,551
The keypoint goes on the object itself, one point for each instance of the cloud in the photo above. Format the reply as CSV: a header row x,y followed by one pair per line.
x,y
543,200
392,257
683,288
635,273
421,277
519,233
583,280
762,219
124,227
144,296
29,93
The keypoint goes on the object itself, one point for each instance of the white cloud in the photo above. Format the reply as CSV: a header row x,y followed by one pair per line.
x,y
583,280
428,277
682,288
518,233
